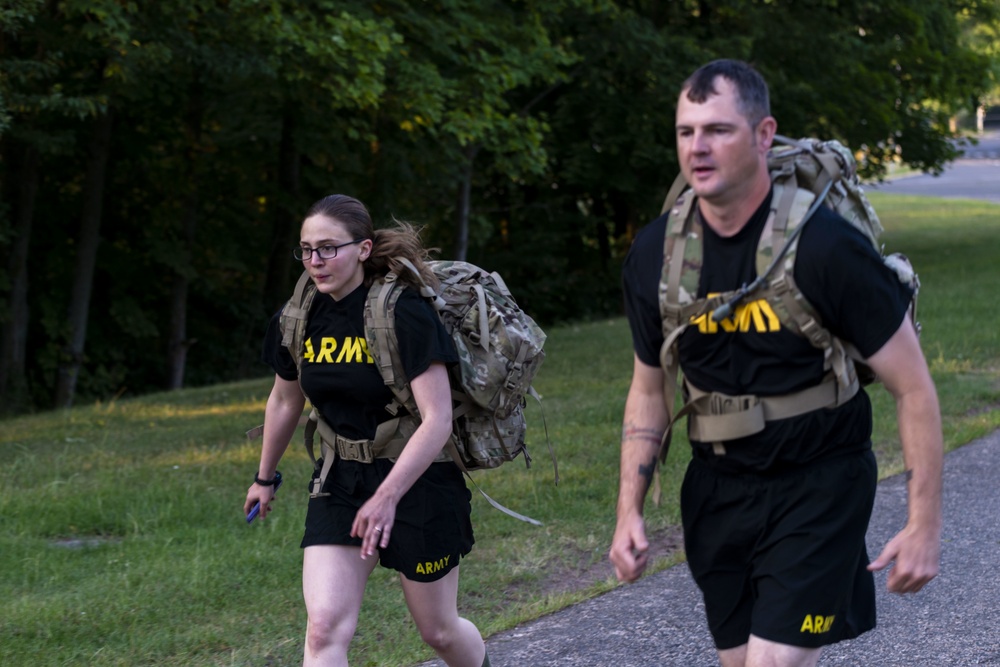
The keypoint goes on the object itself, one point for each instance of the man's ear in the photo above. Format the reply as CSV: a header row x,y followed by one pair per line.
x,y
765,131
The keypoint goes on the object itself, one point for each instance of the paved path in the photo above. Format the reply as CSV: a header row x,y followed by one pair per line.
x,y
954,622
659,621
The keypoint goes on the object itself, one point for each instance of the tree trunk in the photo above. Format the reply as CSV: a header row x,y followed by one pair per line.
x,y
178,342
86,260
464,205
14,336
285,221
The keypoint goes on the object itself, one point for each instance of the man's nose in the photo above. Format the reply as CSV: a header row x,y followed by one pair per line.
x,y
699,142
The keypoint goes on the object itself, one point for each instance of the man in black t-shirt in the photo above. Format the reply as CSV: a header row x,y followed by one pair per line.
x,y
774,522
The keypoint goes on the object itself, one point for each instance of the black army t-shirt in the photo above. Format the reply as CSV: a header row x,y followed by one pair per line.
x,y
339,375
858,298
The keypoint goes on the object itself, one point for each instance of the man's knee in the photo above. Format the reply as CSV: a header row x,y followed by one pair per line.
x,y
765,653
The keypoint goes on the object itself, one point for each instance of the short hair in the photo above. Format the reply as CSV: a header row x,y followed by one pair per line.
x,y
753,100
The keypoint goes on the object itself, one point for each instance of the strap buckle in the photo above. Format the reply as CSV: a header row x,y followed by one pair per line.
x,y
355,450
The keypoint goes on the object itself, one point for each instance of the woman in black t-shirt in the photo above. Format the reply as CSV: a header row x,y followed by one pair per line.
x,y
411,514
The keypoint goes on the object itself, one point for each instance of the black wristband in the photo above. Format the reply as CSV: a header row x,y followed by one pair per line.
x,y
267,482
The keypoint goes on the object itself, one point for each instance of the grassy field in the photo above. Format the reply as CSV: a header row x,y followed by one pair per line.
x,y
121,531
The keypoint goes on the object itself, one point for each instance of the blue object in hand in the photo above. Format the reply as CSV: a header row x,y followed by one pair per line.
x,y
256,506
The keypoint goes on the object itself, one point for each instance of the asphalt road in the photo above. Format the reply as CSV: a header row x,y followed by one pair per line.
x,y
975,176
954,622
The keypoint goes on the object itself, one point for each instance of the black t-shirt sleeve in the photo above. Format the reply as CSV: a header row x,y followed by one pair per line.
x,y
276,355
421,335
858,297
640,288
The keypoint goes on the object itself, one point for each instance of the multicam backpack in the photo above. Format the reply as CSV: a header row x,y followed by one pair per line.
x,y
804,174
500,351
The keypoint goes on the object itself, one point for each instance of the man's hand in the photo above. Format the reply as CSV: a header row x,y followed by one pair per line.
x,y
917,557
629,549
916,550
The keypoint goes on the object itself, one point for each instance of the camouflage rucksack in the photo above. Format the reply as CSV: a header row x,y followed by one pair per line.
x,y
804,174
500,352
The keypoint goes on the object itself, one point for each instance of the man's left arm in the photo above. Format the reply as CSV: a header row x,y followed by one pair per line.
x,y
916,550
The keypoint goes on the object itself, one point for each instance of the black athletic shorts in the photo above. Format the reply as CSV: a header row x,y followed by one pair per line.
x,y
432,529
783,557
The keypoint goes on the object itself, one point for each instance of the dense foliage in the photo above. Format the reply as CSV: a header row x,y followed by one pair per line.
x,y
156,157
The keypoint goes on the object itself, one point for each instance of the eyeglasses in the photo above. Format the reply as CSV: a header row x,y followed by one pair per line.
x,y
304,253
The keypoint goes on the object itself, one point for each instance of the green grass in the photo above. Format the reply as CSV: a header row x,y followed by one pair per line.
x,y
121,528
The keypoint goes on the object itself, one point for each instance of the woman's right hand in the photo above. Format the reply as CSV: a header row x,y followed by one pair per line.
x,y
281,418
259,493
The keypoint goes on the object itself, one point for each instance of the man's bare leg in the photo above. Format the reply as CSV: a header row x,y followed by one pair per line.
x,y
763,653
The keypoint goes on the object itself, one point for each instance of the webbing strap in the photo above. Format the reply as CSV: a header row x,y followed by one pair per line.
x,y
675,191
425,290
381,318
333,446
453,449
297,309
674,320
670,362
716,417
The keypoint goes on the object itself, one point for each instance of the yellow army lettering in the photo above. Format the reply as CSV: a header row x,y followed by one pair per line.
x,y
817,624
430,567
354,349
326,348
757,315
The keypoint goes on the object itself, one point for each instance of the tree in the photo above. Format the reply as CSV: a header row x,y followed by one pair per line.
x,y
532,137
33,92
981,33
464,82
99,64
325,61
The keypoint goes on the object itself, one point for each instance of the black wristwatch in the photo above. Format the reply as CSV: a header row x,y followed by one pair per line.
x,y
267,482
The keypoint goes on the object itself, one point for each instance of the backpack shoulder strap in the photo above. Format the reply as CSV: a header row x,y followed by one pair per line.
x,y
678,292
293,318
794,202
676,188
383,342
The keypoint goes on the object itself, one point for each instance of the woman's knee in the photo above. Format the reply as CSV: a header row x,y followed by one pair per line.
x,y
445,635
440,634
328,628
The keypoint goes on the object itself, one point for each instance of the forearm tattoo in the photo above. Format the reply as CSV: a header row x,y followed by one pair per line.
x,y
636,433
651,436
646,472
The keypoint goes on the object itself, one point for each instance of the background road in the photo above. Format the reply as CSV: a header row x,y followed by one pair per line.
x,y
975,176
955,621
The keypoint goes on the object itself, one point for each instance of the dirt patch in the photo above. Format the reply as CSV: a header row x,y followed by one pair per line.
x,y
982,410
586,569
83,542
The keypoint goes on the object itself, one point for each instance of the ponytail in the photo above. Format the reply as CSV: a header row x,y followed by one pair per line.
x,y
400,241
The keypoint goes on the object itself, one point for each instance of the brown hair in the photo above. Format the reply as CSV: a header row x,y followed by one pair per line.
x,y
751,89
401,240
